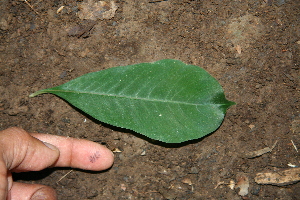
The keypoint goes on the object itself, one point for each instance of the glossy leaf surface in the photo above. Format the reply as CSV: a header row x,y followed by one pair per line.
x,y
165,100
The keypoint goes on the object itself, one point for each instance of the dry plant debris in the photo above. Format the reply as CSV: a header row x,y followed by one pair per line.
x,y
94,10
260,152
280,177
83,29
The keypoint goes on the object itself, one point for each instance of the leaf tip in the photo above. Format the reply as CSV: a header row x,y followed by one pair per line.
x,y
229,104
232,103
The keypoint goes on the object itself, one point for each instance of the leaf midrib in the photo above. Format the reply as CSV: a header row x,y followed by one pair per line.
x,y
136,98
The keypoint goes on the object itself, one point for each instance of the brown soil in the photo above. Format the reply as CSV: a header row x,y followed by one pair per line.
x,y
252,48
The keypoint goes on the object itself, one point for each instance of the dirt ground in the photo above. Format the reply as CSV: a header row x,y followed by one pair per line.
x,y
251,47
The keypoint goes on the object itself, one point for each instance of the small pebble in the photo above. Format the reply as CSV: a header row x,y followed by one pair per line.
x,y
63,74
194,170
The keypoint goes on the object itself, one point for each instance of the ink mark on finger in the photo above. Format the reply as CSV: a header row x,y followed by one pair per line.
x,y
95,157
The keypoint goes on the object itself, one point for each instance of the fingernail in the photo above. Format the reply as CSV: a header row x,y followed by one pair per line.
x,y
45,193
51,146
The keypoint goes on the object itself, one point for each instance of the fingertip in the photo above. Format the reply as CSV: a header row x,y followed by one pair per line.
x,y
109,156
92,156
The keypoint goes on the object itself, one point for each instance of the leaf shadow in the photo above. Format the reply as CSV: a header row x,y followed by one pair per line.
x,y
152,141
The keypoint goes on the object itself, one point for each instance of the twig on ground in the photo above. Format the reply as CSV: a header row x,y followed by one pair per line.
x,y
31,6
64,176
294,146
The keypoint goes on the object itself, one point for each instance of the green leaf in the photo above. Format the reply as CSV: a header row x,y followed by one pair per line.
x,y
166,100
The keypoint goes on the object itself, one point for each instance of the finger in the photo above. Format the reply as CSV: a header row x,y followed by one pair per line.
x,y
79,153
26,191
22,152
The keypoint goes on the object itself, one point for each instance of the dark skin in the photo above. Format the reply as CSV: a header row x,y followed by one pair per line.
x,y
21,151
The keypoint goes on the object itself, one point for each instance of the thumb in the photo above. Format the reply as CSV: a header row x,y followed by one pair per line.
x,y
22,152
19,151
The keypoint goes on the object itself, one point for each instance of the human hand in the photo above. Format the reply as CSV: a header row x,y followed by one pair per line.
x,y
21,151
